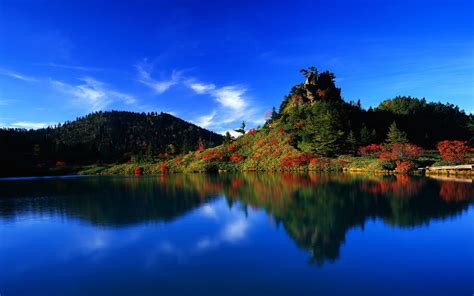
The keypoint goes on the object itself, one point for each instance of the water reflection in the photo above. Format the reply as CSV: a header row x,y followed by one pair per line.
x,y
315,210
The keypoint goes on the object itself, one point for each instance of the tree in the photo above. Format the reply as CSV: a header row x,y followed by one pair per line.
x,y
396,136
454,151
351,143
367,137
323,129
241,130
274,114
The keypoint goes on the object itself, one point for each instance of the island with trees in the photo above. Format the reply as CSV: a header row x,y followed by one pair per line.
x,y
314,129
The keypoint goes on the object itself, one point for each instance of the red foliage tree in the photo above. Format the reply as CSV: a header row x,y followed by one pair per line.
x,y
455,151
295,160
235,158
252,132
373,150
405,166
406,152
401,152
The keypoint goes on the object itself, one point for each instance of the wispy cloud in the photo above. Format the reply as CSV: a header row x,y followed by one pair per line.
x,y
201,88
231,97
17,75
70,67
95,94
7,102
233,105
158,86
30,125
206,120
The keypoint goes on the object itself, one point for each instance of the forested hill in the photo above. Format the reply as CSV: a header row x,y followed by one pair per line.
x,y
318,116
101,137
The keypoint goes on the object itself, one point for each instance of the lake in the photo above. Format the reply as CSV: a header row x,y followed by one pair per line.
x,y
237,234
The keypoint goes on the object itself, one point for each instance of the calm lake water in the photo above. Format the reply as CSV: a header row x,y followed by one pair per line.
x,y
246,234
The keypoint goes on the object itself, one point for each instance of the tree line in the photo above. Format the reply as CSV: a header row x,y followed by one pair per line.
x,y
100,137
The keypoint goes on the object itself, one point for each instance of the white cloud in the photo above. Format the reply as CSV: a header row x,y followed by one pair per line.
x,y
17,75
206,120
95,94
30,125
231,97
159,86
202,88
233,106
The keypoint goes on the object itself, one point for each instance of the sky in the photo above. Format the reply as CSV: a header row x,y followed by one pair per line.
x,y
217,63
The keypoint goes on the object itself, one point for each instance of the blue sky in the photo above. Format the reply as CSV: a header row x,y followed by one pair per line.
x,y
216,63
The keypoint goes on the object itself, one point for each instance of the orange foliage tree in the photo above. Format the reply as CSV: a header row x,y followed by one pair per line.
x,y
212,155
290,161
235,158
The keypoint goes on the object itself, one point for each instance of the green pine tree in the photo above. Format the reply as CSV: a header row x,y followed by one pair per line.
x,y
367,137
396,136
351,143
241,129
323,130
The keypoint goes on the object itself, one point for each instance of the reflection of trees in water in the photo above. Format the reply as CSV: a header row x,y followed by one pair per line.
x,y
107,201
316,210
455,191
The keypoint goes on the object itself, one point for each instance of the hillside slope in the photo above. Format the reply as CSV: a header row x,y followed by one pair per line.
x,y
101,137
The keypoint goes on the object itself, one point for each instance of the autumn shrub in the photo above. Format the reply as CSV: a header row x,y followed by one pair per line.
x,y
236,158
372,150
290,161
454,151
138,171
326,164
212,155
405,166
251,132
401,152
231,147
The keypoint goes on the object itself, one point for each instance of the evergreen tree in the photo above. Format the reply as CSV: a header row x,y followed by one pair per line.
x,y
241,129
396,136
274,114
351,143
367,137
323,130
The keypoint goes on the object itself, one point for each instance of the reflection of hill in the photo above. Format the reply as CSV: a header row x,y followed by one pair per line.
x,y
316,210
106,201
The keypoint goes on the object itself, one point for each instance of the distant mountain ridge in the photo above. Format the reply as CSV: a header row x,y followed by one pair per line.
x,y
100,137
